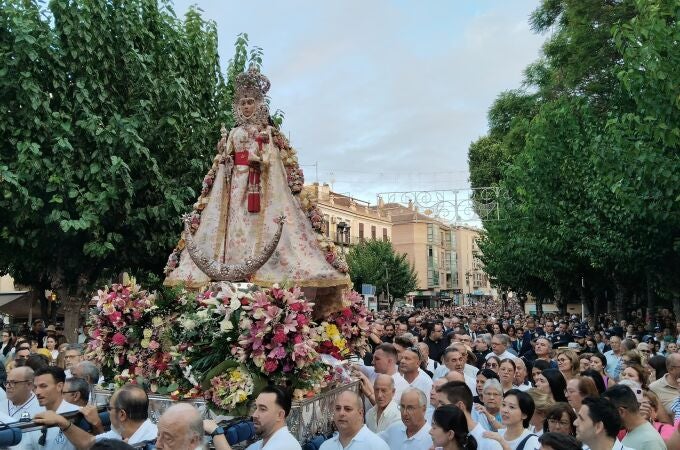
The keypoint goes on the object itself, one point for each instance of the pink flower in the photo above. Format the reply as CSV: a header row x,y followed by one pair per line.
x,y
119,339
271,365
153,345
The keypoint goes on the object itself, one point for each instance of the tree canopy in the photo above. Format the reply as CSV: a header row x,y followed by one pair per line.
x,y
587,151
376,262
111,111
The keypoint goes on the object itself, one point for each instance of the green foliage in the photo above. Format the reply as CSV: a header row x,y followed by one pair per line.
x,y
376,262
590,161
110,115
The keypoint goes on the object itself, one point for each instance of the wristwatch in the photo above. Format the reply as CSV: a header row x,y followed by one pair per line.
x,y
217,431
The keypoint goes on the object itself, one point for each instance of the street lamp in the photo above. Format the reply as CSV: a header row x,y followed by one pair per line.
x,y
467,282
342,230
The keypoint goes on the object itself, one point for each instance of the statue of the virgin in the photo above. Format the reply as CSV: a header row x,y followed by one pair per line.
x,y
254,182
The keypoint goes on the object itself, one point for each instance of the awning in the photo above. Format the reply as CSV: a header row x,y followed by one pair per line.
x,y
15,304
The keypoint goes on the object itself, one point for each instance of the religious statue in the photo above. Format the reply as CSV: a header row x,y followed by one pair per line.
x,y
250,222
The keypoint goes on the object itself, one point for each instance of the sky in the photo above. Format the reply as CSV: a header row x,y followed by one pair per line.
x,y
382,96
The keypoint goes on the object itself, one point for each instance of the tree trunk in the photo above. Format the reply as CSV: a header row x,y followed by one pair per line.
x,y
72,307
619,300
676,308
651,307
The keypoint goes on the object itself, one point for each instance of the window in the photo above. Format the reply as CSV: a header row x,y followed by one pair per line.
x,y
373,232
430,232
385,234
326,225
361,232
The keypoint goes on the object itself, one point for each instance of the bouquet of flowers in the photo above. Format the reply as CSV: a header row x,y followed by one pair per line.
x,y
330,341
126,337
352,322
275,337
230,385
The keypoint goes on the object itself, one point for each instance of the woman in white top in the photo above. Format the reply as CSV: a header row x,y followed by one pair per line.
x,y
506,372
516,411
51,346
450,430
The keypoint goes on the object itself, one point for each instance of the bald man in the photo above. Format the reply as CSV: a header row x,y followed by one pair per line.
x,y
385,412
180,428
348,416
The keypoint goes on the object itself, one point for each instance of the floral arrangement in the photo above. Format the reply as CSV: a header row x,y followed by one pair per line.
x,y
352,323
276,337
230,390
330,340
126,338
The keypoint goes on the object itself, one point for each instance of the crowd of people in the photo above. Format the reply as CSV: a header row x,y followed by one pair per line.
x,y
449,378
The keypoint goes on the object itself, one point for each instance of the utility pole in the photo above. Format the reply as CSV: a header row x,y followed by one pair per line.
x,y
387,285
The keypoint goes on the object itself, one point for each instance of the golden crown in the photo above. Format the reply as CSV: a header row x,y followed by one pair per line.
x,y
251,83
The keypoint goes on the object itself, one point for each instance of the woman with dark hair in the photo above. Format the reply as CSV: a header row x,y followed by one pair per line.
x,y
515,342
516,412
450,429
560,419
559,441
552,382
497,328
506,373
598,362
493,362
597,379
539,366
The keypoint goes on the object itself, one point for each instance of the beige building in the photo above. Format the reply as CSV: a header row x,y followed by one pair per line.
x,y
473,281
348,220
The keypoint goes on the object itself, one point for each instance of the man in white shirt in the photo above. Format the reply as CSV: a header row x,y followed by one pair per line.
x,y
409,366
434,399
21,402
385,361
499,347
385,412
521,381
48,384
129,413
272,407
614,357
348,417
458,394
454,360
413,432
597,424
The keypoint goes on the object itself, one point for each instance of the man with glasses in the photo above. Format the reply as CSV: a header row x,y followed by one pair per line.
x,y
499,347
413,432
435,339
21,401
129,412
76,391
72,356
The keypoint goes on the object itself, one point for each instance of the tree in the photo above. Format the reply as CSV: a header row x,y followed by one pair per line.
x,y
591,167
376,262
109,119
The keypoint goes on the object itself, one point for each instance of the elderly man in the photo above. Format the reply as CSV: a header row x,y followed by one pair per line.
x,y
385,412
272,407
21,401
614,357
180,428
667,387
413,432
76,391
129,413
426,363
409,366
385,361
499,347
88,371
348,417
521,380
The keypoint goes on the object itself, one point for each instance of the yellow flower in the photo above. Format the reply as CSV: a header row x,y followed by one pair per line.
x,y
157,321
147,333
144,343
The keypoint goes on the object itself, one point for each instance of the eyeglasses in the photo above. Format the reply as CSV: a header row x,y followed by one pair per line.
x,y
12,383
558,422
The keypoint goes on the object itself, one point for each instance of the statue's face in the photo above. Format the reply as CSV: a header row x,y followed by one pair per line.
x,y
247,106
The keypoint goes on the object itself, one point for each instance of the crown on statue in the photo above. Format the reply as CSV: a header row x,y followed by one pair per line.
x,y
251,83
